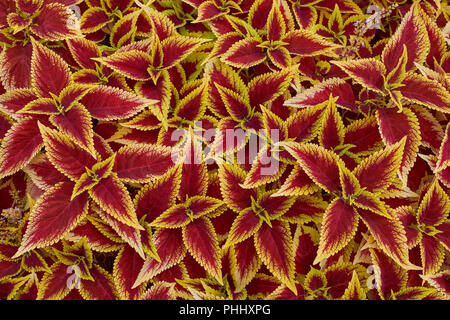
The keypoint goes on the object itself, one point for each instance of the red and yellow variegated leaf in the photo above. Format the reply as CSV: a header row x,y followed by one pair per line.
x,y
367,72
126,265
218,73
274,246
406,214
305,209
94,19
443,160
432,254
276,26
83,50
142,162
76,124
412,34
377,172
415,293
108,103
201,241
193,105
297,183
389,276
129,234
315,283
180,215
440,281
43,173
354,290
320,164
161,24
194,174
177,48
13,101
307,43
244,54
65,155
349,183
94,238
393,127
52,217
244,263
102,288
238,106
49,72
389,235
9,269
267,87
56,22
257,16
364,135
15,66
132,64
20,144
303,125
208,11
331,133
236,197
111,195
321,92
246,224
265,168
53,285
429,93
434,207
431,131
280,57
371,202
157,196
123,32
171,250
305,16
338,228
40,106
160,291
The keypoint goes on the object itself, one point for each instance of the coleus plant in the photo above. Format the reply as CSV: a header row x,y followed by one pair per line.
x,y
190,149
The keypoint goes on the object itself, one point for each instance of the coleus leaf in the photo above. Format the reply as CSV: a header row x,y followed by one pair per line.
x,y
275,249
108,103
376,172
142,162
50,74
338,228
244,263
126,265
20,144
412,34
171,250
320,164
205,250
65,155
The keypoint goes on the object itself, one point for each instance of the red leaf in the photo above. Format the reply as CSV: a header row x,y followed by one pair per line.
x,y
21,143
338,228
204,248
111,195
56,22
49,72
